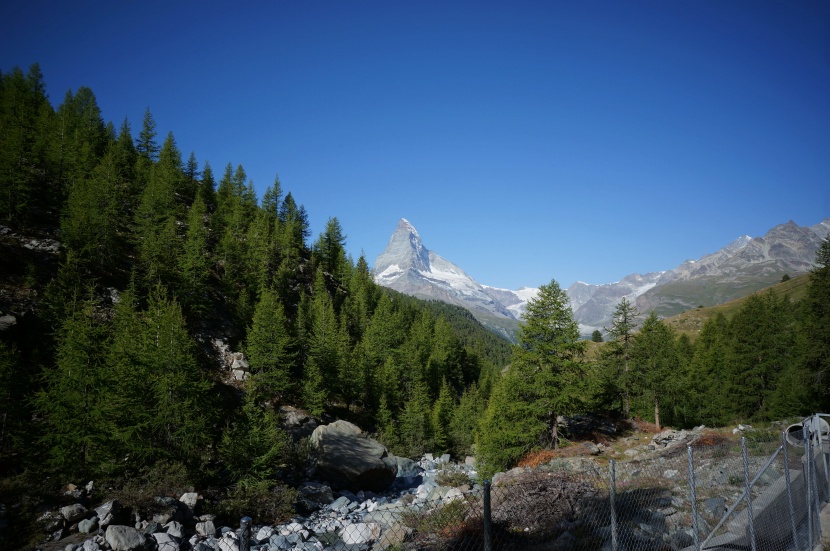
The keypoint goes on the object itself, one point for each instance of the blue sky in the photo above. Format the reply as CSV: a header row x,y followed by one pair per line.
x,y
526,141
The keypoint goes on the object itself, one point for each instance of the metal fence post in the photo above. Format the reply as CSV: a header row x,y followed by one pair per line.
x,y
488,545
613,494
245,534
784,445
693,497
748,484
808,481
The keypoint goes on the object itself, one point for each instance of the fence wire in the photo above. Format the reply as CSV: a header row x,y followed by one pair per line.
x,y
758,492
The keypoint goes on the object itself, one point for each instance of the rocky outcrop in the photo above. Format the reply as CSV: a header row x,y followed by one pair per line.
x,y
348,459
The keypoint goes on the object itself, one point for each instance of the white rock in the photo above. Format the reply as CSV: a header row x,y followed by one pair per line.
x,y
264,533
206,528
360,533
190,499
228,542
165,542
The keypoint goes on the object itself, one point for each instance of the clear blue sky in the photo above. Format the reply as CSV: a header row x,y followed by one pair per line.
x,y
526,141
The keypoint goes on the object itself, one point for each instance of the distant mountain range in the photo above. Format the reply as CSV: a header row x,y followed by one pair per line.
x,y
741,267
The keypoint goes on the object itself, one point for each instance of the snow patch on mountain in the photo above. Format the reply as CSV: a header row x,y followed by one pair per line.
x,y
408,266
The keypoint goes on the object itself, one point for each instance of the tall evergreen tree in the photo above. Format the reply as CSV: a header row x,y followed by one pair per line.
x,y
656,363
74,398
270,349
817,324
194,263
618,355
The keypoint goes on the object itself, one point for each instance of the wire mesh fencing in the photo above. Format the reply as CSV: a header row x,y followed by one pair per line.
x,y
760,492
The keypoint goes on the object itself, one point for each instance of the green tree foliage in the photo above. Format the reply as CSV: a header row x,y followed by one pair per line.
x,y
618,355
91,225
817,325
271,350
158,242
464,422
709,385
656,363
157,216
195,261
73,400
80,137
762,347
161,390
442,415
543,382
596,336
25,122
254,447
15,412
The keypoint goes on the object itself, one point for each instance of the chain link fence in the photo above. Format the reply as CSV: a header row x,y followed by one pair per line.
x,y
762,491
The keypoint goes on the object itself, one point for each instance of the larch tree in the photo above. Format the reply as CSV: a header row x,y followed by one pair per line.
x,y
542,383
656,362
623,324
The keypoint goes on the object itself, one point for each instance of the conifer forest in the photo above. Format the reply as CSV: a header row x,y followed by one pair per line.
x,y
111,370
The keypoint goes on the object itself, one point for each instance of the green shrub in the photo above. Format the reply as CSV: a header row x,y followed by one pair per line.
x,y
265,501
449,476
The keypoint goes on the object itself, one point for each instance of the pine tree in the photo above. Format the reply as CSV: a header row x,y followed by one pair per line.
x,y
91,224
817,324
762,341
548,351
15,410
623,324
464,422
542,383
195,262
656,363
159,243
270,349
74,399
146,146
162,392
415,423
442,415
709,381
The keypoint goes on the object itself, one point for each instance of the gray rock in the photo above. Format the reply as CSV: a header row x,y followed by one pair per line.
x,y
7,321
314,495
349,459
190,499
406,468
229,542
714,507
206,528
124,538
340,504
106,512
73,513
360,533
681,540
165,542
87,526
175,529
51,521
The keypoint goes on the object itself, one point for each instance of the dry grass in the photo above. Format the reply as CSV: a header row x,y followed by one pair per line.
x,y
646,427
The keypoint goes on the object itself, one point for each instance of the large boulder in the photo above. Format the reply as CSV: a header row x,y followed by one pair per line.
x,y
124,538
349,459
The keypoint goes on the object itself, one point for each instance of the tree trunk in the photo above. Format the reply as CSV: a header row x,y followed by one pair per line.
x,y
554,431
656,413
626,402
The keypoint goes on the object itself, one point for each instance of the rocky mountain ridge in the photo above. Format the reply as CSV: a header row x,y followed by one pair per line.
x,y
741,267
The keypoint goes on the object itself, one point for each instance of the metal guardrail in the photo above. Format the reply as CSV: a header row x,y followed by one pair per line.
x,y
761,493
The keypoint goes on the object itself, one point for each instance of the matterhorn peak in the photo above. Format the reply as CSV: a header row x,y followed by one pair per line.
x,y
404,252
